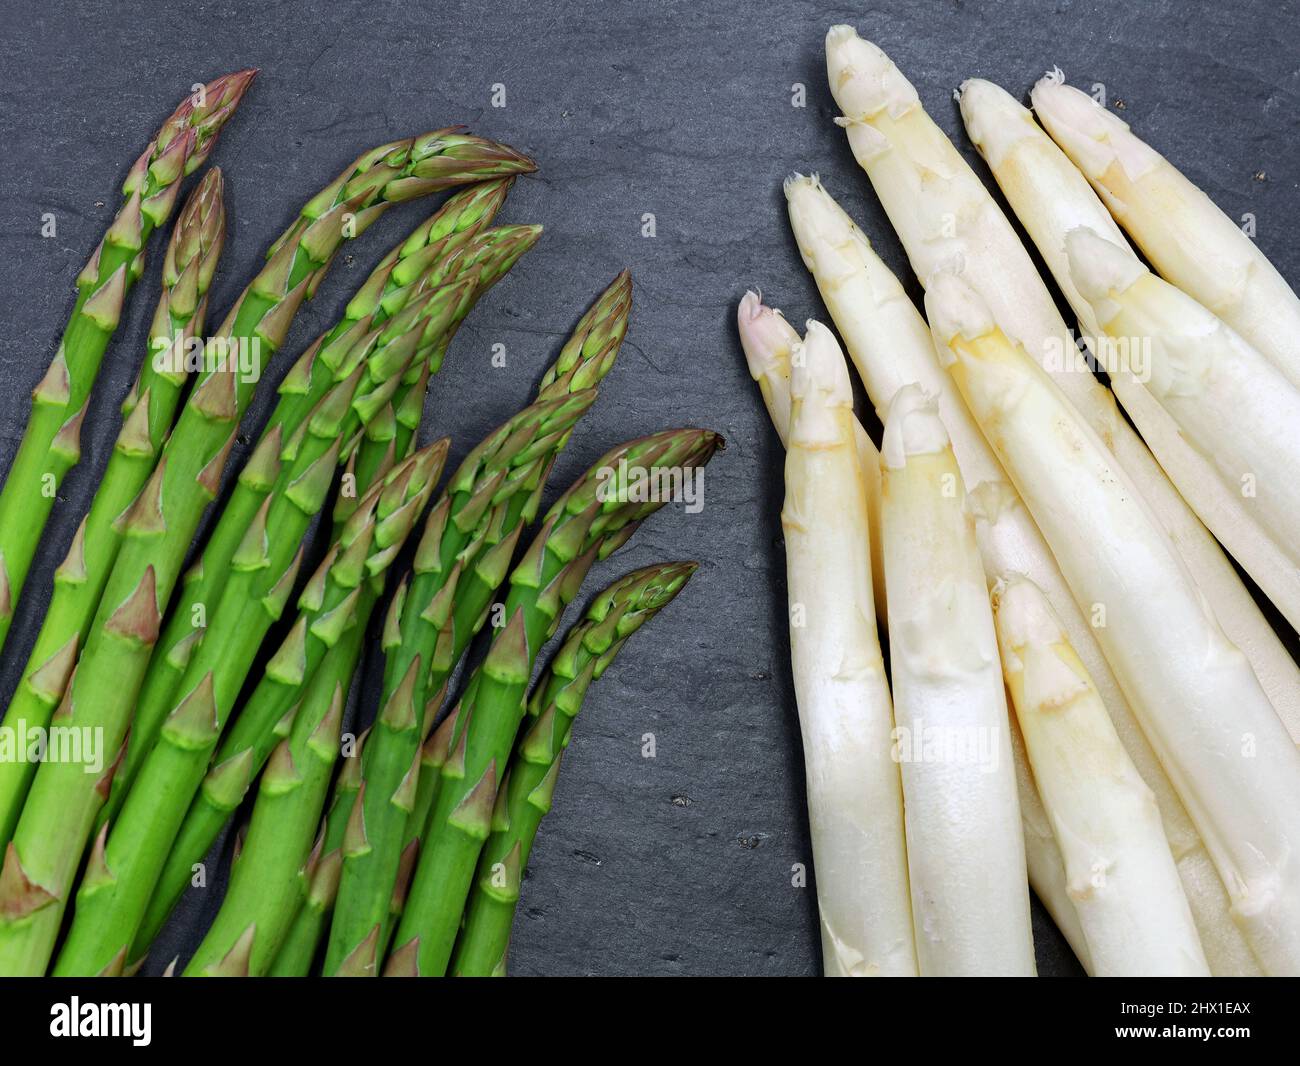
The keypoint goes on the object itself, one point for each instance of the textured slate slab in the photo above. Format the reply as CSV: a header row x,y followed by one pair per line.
x,y
679,864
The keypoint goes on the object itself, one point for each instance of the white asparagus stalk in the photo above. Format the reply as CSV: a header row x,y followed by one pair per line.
x,y
1050,197
855,805
1199,703
1231,404
768,340
891,348
965,850
1122,876
890,344
1180,230
947,219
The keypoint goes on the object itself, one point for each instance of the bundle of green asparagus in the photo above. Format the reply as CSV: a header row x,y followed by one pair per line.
x,y
157,668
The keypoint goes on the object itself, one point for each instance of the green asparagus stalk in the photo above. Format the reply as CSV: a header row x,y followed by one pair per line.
x,y
51,834
298,951
51,444
591,520
310,926
433,757
336,602
457,530
472,531
338,599
585,359
148,411
110,907
375,362
248,744
409,269
270,880
525,796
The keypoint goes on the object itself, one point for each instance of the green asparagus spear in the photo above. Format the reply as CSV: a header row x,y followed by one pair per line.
x,y
406,272
496,488
110,909
525,796
591,520
62,804
492,497
246,747
270,879
51,444
148,411
298,951
378,358
586,357
336,601
391,434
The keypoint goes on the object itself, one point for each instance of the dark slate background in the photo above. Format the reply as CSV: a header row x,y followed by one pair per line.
x,y
679,864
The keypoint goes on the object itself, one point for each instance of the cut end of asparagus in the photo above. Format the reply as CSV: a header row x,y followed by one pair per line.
x,y
955,309
1099,268
995,120
863,79
912,427
1093,138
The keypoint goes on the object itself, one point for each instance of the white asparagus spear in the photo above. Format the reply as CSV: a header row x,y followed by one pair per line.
x,y
947,219
1199,703
891,346
768,340
1229,402
855,805
1185,236
1051,197
1122,876
965,850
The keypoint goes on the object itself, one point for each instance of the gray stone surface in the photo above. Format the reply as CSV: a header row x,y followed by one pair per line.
x,y
678,864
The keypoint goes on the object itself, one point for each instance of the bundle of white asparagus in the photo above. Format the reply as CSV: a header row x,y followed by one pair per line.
x,y
1086,698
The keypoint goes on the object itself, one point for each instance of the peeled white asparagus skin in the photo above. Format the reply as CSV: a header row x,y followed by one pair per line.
x,y
1123,877
855,803
947,220
1230,403
1199,703
1188,239
1051,197
965,846
891,346
767,340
